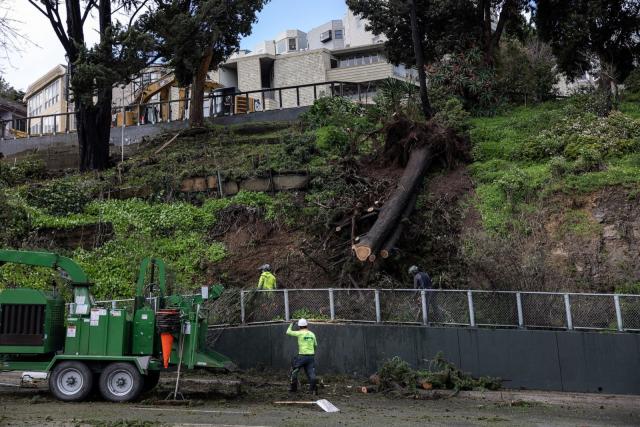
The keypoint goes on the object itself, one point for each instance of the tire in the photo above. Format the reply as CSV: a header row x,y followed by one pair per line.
x,y
151,380
71,381
120,382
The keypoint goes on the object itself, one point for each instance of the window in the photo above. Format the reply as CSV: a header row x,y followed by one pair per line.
x,y
292,44
325,37
338,34
356,60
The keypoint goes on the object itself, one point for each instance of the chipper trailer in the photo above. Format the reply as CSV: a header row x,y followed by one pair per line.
x,y
117,352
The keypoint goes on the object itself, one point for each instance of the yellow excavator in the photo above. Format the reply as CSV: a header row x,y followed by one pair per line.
x,y
163,87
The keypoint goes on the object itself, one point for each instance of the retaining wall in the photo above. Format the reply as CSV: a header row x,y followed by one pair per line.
x,y
61,150
524,359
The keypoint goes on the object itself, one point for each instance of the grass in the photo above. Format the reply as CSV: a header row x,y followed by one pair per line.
x,y
514,171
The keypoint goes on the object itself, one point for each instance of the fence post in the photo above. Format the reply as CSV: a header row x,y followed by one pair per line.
x,y
287,317
520,314
377,300
246,100
280,97
472,314
332,305
41,125
114,305
423,299
567,308
297,96
616,301
315,92
242,317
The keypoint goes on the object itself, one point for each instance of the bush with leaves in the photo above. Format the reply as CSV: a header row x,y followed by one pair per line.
x,y
632,86
22,172
61,196
526,72
332,111
451,114
394,96
585,137
467,76
589,99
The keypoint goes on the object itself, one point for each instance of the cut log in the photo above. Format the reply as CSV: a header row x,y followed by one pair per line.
x,y
366,389
392,210
389,244
374,379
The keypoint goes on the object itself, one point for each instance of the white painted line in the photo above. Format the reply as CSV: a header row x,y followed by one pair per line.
x,y
201,411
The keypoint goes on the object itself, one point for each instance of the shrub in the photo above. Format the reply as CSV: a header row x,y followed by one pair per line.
x,y
526,72
397,97
453,115
559,167
466,76
590,100
336,111
332,138
632,86
11,175
60,197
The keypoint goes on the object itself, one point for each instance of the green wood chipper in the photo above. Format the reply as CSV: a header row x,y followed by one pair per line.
x,y
84,346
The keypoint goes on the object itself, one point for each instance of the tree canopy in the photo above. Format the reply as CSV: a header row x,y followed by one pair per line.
x,y
586,35
123,50
445,25
195,36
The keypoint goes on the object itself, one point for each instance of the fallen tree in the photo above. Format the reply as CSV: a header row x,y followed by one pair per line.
x,y
416,145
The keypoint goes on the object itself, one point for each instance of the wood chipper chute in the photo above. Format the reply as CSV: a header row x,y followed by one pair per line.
x,y
118,352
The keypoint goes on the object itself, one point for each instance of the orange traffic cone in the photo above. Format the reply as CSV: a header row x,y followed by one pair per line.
x,y
167,343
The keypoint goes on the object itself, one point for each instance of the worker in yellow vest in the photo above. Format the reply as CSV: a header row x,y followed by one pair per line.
x,y
267,280
307,345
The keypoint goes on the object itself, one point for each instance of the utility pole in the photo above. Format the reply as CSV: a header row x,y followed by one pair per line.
x,y
122,134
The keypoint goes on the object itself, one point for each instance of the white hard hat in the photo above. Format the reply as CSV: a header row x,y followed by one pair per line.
x,y
413,269
302,323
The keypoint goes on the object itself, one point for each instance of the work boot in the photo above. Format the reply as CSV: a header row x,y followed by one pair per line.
x,y
313,388
293,387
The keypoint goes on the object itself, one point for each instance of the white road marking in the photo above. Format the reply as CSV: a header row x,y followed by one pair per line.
x,y
201,411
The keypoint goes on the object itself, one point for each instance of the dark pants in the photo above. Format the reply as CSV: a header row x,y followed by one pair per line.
x,y
309,365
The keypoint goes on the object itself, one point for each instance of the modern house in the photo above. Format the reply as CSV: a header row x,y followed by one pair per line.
x,y
338,50
12,116
47,96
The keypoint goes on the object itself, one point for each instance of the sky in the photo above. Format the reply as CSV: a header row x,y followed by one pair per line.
x,y
45,52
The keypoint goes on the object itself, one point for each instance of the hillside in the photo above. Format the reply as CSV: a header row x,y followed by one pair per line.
x,y
550,201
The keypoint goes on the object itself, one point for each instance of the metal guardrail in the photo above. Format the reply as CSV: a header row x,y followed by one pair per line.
x,y
226,104
438,307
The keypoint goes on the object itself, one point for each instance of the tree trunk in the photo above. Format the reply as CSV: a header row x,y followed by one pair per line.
x,y
94,131
422,75
196,109
389,245
392,210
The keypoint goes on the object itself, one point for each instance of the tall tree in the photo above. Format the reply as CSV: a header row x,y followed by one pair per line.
x,y
586,35
9,92
196,36
122,51
418,52
445,25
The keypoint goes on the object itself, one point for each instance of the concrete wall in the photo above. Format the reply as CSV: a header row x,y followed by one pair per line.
x,y
527,359
361,73
298,69
60,151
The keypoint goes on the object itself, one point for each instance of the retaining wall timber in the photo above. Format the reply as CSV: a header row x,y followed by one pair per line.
x,y
525,359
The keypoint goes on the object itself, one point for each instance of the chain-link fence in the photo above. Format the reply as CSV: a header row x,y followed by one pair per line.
x,y
544,310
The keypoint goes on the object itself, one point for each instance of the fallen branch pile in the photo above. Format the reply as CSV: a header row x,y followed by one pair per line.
x,y
396,377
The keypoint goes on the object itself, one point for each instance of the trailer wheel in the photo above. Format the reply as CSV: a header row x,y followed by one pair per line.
x,y
120,382
151,380
71,381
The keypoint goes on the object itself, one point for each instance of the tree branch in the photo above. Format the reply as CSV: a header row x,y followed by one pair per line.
x,y
90,5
